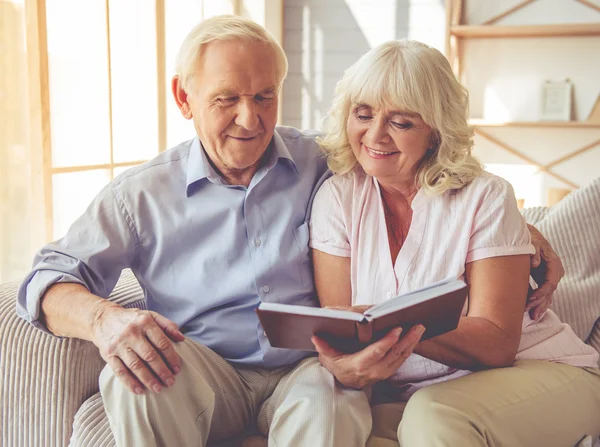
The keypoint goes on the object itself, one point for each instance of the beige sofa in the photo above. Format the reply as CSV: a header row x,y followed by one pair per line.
x,y
49,388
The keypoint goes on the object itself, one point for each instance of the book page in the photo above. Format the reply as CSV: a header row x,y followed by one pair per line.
x,y
312,311
414,297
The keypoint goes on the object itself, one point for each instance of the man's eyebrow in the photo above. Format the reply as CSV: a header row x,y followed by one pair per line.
x,y
222,93
231,94
268,91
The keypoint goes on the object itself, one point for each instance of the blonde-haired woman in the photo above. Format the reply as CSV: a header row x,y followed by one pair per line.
x,y
409,206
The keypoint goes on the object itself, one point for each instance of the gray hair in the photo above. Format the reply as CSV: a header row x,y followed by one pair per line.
x,y
224,27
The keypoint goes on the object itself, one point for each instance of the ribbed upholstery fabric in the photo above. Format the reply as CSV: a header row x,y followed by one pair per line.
x,y
572,227
91,427
45,379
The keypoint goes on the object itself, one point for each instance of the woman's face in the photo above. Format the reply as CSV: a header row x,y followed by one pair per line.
x,y
388,143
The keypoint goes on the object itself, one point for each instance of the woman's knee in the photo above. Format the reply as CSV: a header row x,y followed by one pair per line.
x,y
430,420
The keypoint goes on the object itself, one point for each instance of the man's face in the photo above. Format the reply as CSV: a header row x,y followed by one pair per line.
x,y
233,100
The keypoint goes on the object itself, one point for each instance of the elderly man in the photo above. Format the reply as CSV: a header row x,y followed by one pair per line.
x,y
210,228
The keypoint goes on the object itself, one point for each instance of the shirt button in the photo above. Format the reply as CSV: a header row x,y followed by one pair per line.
x,y
388,295
257,242
265,289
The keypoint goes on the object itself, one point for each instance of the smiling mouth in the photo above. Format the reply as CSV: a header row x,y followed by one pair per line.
x,y
379,153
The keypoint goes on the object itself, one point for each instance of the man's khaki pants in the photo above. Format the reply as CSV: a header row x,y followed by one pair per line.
x,y
213,400
533,403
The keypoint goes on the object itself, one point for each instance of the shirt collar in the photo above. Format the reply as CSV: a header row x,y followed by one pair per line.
x,y
200,168
280,151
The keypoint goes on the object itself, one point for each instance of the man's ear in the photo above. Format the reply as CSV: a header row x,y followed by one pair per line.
x,y
181,97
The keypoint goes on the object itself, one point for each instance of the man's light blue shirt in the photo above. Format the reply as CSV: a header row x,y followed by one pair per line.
x,y
205,253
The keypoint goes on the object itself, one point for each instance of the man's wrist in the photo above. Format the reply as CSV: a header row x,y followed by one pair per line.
x,y
101,309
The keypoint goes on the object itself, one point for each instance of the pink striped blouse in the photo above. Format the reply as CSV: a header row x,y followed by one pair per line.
x,y
479,221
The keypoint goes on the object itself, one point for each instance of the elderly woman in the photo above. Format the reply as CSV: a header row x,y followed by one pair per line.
x,y
410,206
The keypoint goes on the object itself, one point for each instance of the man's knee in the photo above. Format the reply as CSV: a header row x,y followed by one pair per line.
x,y
190,391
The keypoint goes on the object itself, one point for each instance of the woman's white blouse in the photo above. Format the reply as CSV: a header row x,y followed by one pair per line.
x,y
448,231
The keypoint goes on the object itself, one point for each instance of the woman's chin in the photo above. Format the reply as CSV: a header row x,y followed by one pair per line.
x,y
377,168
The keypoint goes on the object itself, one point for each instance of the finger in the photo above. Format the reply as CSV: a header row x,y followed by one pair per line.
x,y
324,349
123,373
536,258
547,288
405,346
168,327
535,302
165,348
138,358
538,312
376,351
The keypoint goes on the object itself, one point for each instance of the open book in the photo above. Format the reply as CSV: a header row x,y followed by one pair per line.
x,y
438,307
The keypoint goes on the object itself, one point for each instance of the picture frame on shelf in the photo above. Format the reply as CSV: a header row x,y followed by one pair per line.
x,y
557,100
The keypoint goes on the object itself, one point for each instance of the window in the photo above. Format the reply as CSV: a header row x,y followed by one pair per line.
x,y
85,87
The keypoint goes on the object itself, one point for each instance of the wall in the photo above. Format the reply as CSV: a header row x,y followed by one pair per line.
x,y
323,38
504,76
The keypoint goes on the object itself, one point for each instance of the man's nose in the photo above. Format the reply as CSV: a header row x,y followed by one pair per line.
x,y
247,115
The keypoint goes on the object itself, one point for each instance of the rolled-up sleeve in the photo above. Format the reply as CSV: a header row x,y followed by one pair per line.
x,y
498,229
97,247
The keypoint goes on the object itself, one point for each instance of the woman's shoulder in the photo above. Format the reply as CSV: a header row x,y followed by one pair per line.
x,y
348,184
486,185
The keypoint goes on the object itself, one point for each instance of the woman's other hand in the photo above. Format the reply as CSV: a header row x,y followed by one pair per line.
x,y
547,271
376,362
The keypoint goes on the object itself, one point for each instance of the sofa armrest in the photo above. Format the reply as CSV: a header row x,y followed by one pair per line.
x,y
45,379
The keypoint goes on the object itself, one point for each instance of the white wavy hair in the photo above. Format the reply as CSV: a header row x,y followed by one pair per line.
x,y
223,27
410,76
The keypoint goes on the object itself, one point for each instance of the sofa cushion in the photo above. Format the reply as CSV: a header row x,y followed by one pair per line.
x,y
572,227
91,427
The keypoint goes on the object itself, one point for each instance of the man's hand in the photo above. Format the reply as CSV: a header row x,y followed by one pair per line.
x,y
374,363
547,271
137,345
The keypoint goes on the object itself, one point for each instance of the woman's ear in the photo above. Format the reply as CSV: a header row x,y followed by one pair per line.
x,y
434,141
181,97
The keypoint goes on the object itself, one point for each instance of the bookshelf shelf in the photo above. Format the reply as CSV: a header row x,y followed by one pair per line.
x,y
533,124
500,31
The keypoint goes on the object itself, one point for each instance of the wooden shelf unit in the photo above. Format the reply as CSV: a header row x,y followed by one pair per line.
x,y
501,31
457,32
556,124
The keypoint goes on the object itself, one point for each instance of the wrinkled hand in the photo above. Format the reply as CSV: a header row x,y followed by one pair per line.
x,y
137,345
374,363
547,271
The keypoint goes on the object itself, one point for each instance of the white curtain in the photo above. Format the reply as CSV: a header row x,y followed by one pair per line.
x,y
18,231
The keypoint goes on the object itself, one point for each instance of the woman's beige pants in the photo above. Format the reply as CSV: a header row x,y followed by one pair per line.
x,y
531,404
213,400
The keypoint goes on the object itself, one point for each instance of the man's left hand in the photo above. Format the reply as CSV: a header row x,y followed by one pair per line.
x,y
546,261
